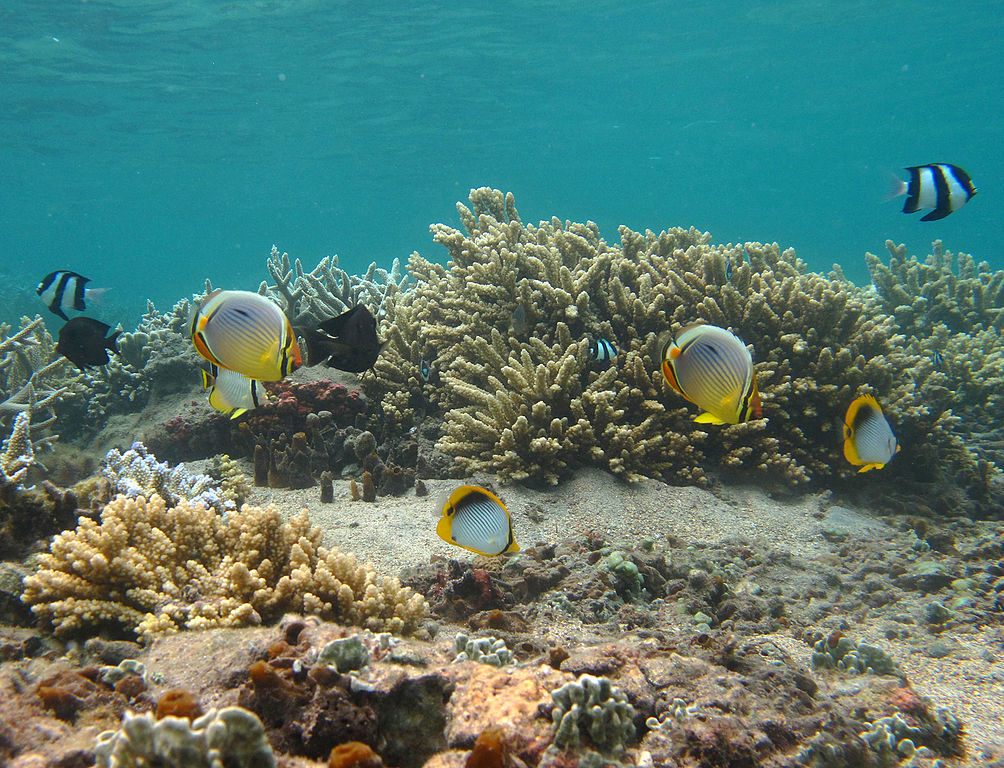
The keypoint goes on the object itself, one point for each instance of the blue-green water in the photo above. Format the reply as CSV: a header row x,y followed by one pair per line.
x,y
150,144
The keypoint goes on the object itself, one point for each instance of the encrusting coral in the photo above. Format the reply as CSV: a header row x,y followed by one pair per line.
x,y
148,568
521,395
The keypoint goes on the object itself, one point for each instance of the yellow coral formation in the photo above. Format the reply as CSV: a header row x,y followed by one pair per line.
x,y
149,568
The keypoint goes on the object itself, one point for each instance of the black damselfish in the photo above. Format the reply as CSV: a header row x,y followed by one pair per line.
x,y
348,342
941,187
82,341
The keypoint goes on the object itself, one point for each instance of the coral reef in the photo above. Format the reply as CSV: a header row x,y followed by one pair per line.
x,y
32,382
17,455
29,517
146,568
326,291
837,651
945,289
523,399
230,736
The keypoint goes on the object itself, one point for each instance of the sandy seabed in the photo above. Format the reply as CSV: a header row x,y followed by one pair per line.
x,y
397,532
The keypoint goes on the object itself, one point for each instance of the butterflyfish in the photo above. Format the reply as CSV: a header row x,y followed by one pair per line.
x,y
82,341
65,290
347,342
712,368
942,188
246,333
476,519
869,442
231,392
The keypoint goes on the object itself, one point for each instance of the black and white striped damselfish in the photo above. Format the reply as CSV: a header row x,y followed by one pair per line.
x,y
942,188
63,290
476,519
601,350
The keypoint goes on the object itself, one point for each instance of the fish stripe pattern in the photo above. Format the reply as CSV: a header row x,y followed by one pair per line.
x,y
873,437
245,332
481,524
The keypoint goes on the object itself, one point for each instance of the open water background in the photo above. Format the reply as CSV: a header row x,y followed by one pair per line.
x,y
151,144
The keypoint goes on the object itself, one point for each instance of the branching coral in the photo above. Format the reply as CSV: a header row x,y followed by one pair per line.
x,y
156,357
30,373
138,473
17,454
327,291
951,290
147,568
523,398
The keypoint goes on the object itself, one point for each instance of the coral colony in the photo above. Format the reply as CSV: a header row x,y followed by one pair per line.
x,y
182,626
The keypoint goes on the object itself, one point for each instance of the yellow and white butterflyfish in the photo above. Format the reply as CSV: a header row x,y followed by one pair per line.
x,y
476,519
232,393
869,442
245,332
712,368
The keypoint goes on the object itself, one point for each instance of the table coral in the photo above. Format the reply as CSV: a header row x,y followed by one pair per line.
x,y
147,568
522,398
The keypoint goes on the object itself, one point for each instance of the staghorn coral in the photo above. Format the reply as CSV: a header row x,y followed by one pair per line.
x,y
946,289
308,298
31,378
156,357
522,398
147,568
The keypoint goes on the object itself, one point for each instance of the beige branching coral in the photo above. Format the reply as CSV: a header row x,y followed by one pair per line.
x,y
945,289
506,327
17,453
148,568
30,373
